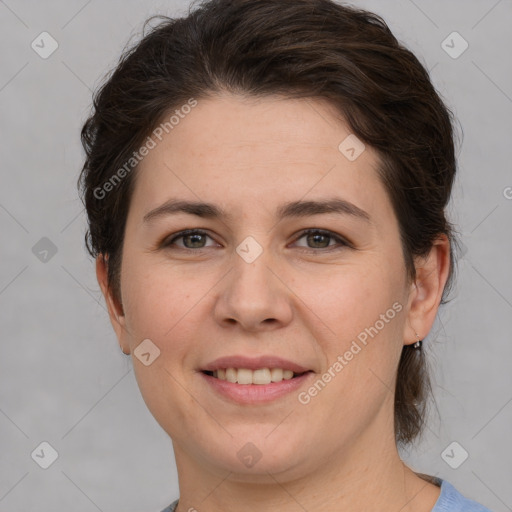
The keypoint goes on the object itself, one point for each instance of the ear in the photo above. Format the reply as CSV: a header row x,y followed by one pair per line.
x,y
115,308
427,290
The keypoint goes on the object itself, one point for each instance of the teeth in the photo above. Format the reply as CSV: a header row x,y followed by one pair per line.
x,y
246,376
287,374
262,376
231,375
276,374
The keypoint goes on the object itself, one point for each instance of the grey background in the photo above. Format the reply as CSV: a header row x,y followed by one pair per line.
x,y
63,378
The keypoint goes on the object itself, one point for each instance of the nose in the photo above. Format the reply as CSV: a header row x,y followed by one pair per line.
x,y
254,296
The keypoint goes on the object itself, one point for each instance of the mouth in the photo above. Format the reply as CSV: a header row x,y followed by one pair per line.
x,y
255,380
259,377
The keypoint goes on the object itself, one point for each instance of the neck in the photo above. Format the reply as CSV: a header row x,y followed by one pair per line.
x,y
366,476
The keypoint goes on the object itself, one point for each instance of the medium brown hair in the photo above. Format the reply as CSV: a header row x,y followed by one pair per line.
x,y
297,49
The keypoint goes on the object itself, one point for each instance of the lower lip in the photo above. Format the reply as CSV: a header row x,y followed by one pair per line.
x,y
255,393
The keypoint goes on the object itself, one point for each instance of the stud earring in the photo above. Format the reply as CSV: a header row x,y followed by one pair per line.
x,y
418,344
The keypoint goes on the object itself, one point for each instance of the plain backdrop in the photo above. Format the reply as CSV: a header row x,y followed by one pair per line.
x,y
63,378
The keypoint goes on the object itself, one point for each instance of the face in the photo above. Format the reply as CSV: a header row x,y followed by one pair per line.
x,y
250,288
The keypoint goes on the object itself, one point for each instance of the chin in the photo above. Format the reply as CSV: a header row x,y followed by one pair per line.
x,y
255,456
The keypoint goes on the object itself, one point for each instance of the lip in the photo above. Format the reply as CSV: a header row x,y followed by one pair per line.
x,y
255,393
254,363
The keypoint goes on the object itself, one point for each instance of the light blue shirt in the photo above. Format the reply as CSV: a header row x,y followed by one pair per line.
x,y
450,500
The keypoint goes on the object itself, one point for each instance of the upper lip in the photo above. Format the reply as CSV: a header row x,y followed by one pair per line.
x,y
254,363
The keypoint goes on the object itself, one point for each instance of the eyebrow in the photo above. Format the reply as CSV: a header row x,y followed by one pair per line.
x,y
286,210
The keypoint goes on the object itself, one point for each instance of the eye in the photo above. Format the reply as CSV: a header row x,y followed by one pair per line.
x,y
320,239
192,239
195,239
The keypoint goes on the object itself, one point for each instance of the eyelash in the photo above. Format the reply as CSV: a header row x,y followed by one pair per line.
x,y
341,242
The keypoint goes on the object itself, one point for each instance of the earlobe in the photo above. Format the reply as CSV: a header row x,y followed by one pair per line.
x,y
426,291
114,307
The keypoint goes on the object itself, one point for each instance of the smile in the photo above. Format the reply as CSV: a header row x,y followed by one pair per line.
x,y
249,393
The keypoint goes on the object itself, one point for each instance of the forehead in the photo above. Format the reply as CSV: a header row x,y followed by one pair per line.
x,y
244,151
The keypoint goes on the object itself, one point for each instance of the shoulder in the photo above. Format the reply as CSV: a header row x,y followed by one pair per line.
x,y
451,500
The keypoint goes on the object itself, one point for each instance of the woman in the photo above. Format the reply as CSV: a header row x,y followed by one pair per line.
x,y
266,185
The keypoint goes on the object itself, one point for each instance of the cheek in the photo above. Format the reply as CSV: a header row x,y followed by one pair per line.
x,y
349,298
358,319
152,302
160,307
358,316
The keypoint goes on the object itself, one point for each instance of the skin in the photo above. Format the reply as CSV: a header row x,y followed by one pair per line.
x,y
303,299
